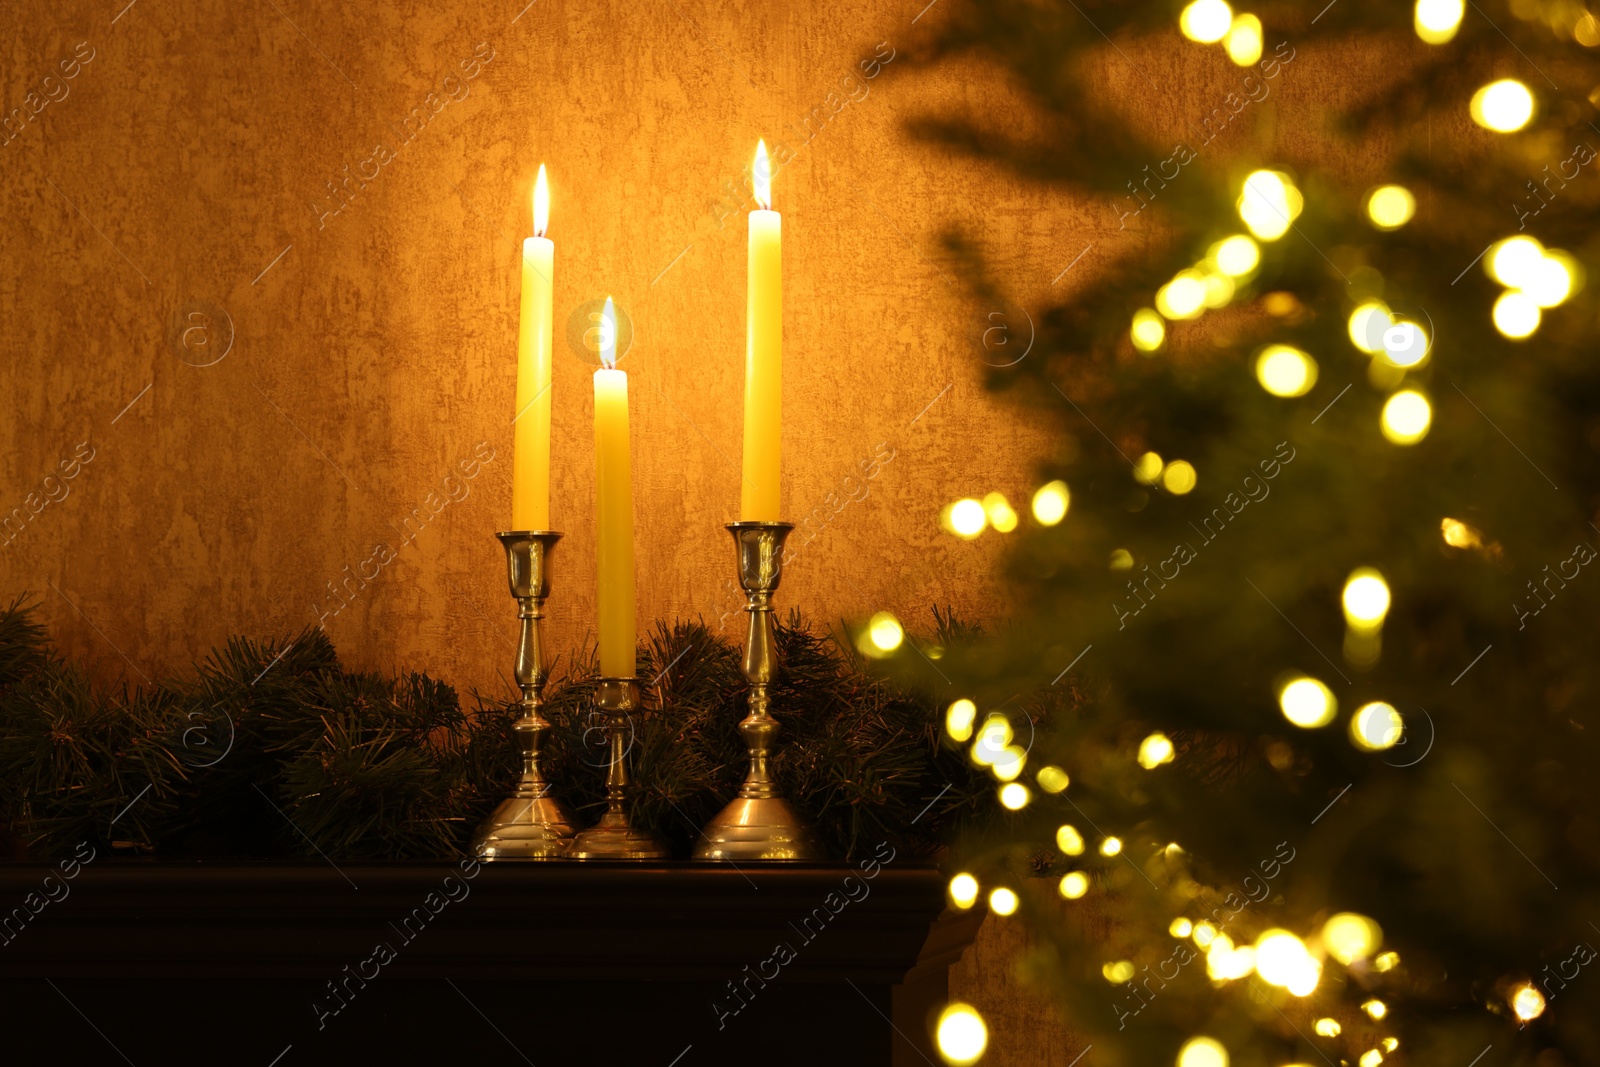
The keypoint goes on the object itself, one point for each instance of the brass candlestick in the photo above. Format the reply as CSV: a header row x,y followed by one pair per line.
x,y
532,824
759,824
613,837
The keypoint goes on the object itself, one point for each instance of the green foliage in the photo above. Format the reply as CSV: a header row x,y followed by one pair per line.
x,y
274,749
1456,840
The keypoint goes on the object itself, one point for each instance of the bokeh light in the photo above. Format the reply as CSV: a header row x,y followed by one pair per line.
x,y
1178,477
1327,1027
1236,256
884,633
1009,763
1148,331
1149,467
1051,502
1111,846
1002,901
1375,1009
1069,841
1206,21
1243,40
1527,1002
1504,106
1458,534
1376,726
1517,315
1366,598
963,890
1282,959
999,512
1370,1058
1391,206
961,1035
1203,1052
1349,937
1117,971
1553,280
1514,261
1014,796
1438,20
1307,703
1184,297
1367,323
958,718
1074,885
966,518
1052,779
1406,417
1269,204
1154,751
1404,343
1285,371
1180,927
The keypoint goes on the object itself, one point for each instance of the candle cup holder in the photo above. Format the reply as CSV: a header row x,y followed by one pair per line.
x,y
613,837
759,824
531,824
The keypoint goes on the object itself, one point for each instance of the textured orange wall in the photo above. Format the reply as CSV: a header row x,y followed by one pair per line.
x,y
179,188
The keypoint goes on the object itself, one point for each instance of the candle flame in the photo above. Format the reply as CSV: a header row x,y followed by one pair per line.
x,y
608,336
541,204
761,173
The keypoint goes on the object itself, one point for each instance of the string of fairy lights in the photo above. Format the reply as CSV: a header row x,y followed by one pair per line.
x,y
1534,280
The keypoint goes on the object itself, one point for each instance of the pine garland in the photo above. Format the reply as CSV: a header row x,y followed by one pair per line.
x,y
274,749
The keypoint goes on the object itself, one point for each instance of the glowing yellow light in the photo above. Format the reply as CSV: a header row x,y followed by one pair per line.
x,y
1285,371
1118,971
1391,206
1203,1052
1366,598
961,1035
1002,901
1388,961
966,518
541,203
1236,256
1390,1044
1349,937
885,632
1269,204
1074,885
1009,763
1148,331
1014,796
1224,963
761,176
1180,927
1307,703
1504,106
1148,469
999,512
1458,534
1282,959
992,740
1438,20
1050,503
1206,21
1121,559
1516,315
1367,323
1204,934
1052,779
1527,1002
1370,1058
963,890
1552,280
1514,261
1405,343
1243,40
1406,417
1154,751
1377,1009
1068,840
1179,477
1327,1027
1219,287
1111,846
1184,297
958,719
1376,726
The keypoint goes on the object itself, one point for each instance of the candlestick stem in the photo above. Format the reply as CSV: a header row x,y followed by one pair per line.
x,y
759,824
531,824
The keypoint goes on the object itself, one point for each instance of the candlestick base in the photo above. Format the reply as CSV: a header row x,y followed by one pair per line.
x,y
759,824
531,824
613,837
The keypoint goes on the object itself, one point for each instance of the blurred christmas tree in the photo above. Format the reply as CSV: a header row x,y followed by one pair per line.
x,y
1314,544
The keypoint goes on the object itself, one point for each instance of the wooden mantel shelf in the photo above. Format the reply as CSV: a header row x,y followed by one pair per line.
x,y
559,963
